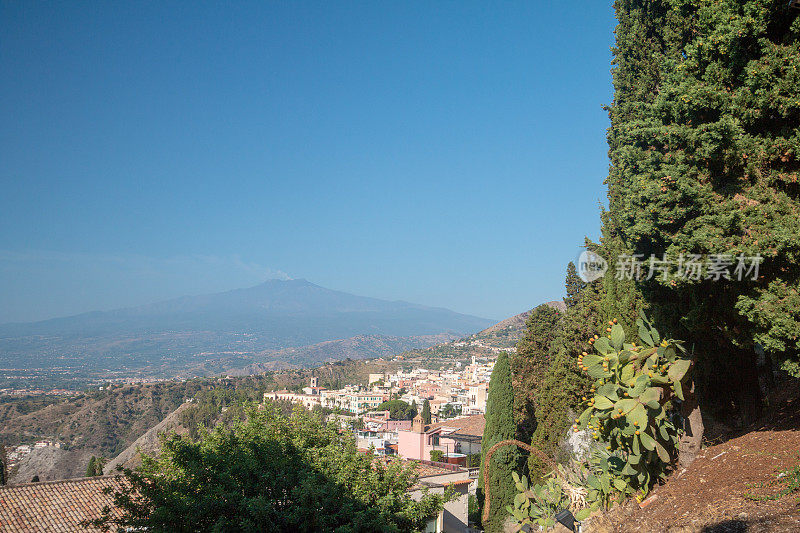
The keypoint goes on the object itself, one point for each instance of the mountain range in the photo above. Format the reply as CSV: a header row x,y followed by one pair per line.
x,y
270,323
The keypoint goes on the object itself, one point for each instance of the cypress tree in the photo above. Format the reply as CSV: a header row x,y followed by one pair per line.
x,y
499,426
574,285
704,149
559,392
2,465
426,412
529,364
90,469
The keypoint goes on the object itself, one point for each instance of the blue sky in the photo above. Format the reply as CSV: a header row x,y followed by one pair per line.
x,y
449,153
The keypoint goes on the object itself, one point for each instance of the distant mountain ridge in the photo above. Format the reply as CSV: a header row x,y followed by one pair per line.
x,y
517,322
503,335
192,334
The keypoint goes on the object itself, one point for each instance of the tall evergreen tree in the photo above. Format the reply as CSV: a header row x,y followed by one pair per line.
x,y
558,394
530,363
574,285
426,412
90,469
500,426
2,465
704,146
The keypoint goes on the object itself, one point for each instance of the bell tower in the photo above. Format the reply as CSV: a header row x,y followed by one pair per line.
x,y
416,424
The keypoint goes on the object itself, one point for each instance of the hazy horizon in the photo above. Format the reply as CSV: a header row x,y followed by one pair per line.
x,y
232,289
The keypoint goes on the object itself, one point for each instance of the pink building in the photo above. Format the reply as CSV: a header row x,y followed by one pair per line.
x,y
455,436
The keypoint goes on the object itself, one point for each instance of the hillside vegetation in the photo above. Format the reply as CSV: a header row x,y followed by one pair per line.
x,y
683,337
486,343
104,423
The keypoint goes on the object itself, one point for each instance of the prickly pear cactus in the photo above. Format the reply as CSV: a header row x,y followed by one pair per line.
x,y
632,409
538,504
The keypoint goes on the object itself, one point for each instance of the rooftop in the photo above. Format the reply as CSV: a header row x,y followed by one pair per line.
x,y
55,506
466,425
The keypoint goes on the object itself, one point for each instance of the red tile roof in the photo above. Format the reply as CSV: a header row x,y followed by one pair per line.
x,y
466,425
55,506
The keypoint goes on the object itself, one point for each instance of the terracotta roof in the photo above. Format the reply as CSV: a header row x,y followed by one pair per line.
x,y
466,425
431,470
55,506
427,468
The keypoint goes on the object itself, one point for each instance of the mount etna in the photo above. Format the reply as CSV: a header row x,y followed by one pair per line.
x,y
276,324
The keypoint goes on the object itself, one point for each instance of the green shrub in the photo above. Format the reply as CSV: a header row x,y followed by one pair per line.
x,y
538,504
437,455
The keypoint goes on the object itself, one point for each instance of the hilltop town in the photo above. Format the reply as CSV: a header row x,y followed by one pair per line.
x,y
458,389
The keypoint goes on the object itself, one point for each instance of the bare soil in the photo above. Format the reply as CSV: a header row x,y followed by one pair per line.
x,y
729,487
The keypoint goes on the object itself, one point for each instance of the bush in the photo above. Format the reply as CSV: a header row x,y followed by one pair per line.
x,y
538,504
270,472
437,456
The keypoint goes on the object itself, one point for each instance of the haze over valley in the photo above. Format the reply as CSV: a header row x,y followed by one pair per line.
x,y
277,324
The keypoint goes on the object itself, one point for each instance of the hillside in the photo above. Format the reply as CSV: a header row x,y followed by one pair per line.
x,y
503,335
211,334
735,486
107,422
149,442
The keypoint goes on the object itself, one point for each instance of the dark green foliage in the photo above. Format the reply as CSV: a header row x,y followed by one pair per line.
x,y
562,385
705,159
473,510
530,363
449,411
426,412
437,455
560,395
500,426
574,286
398,409
270,472
2,465
95,466
35,479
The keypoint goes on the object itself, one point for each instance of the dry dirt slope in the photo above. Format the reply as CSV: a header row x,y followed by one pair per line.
x,y
148,443
726,489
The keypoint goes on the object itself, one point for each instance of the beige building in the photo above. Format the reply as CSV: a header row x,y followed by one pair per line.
x,y
435,478
307,400
477,393
361,402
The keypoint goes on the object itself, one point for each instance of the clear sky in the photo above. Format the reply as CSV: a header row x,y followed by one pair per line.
x,y
445,153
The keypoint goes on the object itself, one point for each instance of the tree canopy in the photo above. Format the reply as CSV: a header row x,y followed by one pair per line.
x,y
398,409
270,472
705,160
